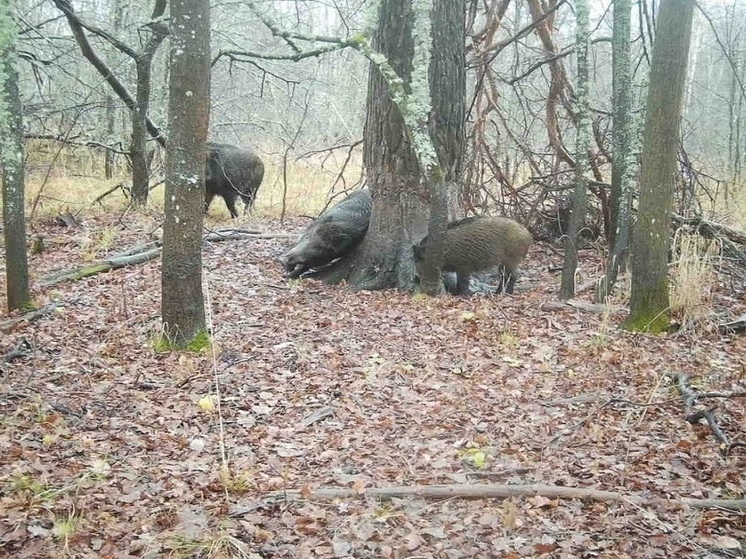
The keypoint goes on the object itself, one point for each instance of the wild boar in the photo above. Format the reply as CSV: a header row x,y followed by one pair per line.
x,y
230,172
475,244
331,235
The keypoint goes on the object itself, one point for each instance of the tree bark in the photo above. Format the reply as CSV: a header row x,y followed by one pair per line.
x,y
623,162
649,301
138,151
447,83
182,300
11,156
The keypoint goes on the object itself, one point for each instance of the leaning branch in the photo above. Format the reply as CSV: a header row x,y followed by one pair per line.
x,y
489,491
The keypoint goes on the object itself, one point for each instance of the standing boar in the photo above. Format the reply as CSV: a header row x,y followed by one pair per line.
x,y
231,172
475,244
331,235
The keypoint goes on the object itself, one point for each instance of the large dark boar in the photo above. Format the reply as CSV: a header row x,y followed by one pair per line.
x,y
475,244
331,235
231,172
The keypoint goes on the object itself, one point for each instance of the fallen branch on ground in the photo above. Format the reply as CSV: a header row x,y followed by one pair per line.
x,y
736,326
22,349
95,268
577,304
8,325
143,253
489,491
113,189
694,415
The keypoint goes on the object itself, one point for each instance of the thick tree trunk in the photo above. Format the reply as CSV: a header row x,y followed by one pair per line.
x,y
182,301
399,216
400,196
11,159
649,302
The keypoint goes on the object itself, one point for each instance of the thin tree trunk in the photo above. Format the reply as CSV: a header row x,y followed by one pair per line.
x,y
582,163
182,300
649,302
138,150
623,162
138,158
11,154
446,72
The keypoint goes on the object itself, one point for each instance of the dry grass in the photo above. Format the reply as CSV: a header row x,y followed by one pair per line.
x,y
71,180
727,205
693,280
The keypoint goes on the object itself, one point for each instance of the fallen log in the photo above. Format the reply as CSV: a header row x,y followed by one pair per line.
x,y
101,266
579,305
143,253
490,491
729,237
711,228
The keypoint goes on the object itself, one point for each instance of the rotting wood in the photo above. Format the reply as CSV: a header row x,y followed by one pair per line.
x,y
490,491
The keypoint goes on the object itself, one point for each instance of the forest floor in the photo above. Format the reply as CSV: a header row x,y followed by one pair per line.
x,y
110,449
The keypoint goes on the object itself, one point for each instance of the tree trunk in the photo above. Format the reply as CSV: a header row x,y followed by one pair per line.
x,y
138,158
623,162
400,199
399,216
649,302
447,80
11,153
582,164
109,155
138,150
182,301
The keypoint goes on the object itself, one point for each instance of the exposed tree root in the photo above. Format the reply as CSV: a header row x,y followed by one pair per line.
x,y
489,491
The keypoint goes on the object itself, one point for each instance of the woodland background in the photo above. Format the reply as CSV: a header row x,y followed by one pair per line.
x,y
109,448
